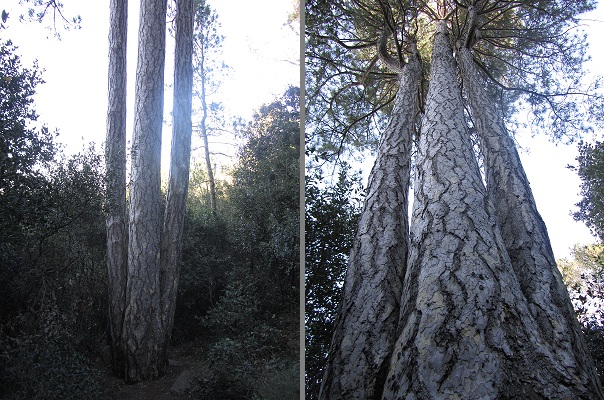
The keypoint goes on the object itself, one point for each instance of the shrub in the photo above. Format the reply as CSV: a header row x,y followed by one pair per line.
x,y
45,364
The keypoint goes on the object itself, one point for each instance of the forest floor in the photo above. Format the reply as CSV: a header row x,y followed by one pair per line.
x,y
186,364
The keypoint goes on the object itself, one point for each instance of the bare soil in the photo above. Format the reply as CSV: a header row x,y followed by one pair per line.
x,y
182,358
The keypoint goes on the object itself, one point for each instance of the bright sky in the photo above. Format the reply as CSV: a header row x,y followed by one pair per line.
x,y
261,50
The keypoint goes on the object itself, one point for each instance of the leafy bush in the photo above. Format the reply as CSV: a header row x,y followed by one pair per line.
x,y
45,364
280,380
207,260
250,342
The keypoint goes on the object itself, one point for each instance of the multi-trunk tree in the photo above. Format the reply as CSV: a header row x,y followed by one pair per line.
x,y
470,303
143,260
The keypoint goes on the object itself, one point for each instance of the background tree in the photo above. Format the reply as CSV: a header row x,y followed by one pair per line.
x,y
53,308
583,274
591,173
330,222
23,149
265,183
240,266
207,74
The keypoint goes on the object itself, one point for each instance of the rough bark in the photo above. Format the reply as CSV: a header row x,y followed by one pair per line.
x,y
465,331
115,158
180,156
526,239
142,320
366,324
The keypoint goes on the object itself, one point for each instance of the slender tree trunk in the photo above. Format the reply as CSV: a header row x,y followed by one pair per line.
x,y
366,324
179,167
115,157
204,131
526,239
143,320
465,330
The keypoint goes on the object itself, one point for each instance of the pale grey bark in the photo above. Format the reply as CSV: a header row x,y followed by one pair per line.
x,y
366,325
180,155
115,158
465,331
142,320
526,239
203,126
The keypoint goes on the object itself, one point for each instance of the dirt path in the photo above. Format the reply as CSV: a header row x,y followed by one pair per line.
x,y
184,358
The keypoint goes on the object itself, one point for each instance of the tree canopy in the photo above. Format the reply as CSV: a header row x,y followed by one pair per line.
x,y
591,173
532,53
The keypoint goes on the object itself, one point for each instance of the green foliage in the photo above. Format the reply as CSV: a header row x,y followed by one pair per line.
x,y
591,172
24,150
41,10
265,197
250,342
237,311
583,275
238,290
348,93
331,222
532,54
45,364
278,381
52,252
208,257
54,304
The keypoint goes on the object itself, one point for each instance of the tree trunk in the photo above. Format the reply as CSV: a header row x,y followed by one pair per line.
x,y
204,131
115,157
366,324
526,239
465,330
143,320
179,167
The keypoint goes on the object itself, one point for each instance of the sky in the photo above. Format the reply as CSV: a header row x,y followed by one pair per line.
x,y
264,56
262,51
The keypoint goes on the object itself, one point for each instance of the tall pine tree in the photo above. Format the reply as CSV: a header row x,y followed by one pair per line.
x,y
483,311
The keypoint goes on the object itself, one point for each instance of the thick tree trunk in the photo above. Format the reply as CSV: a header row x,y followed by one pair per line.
x,y
179,167
366,325
115,158
465,330
143,320
526,239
